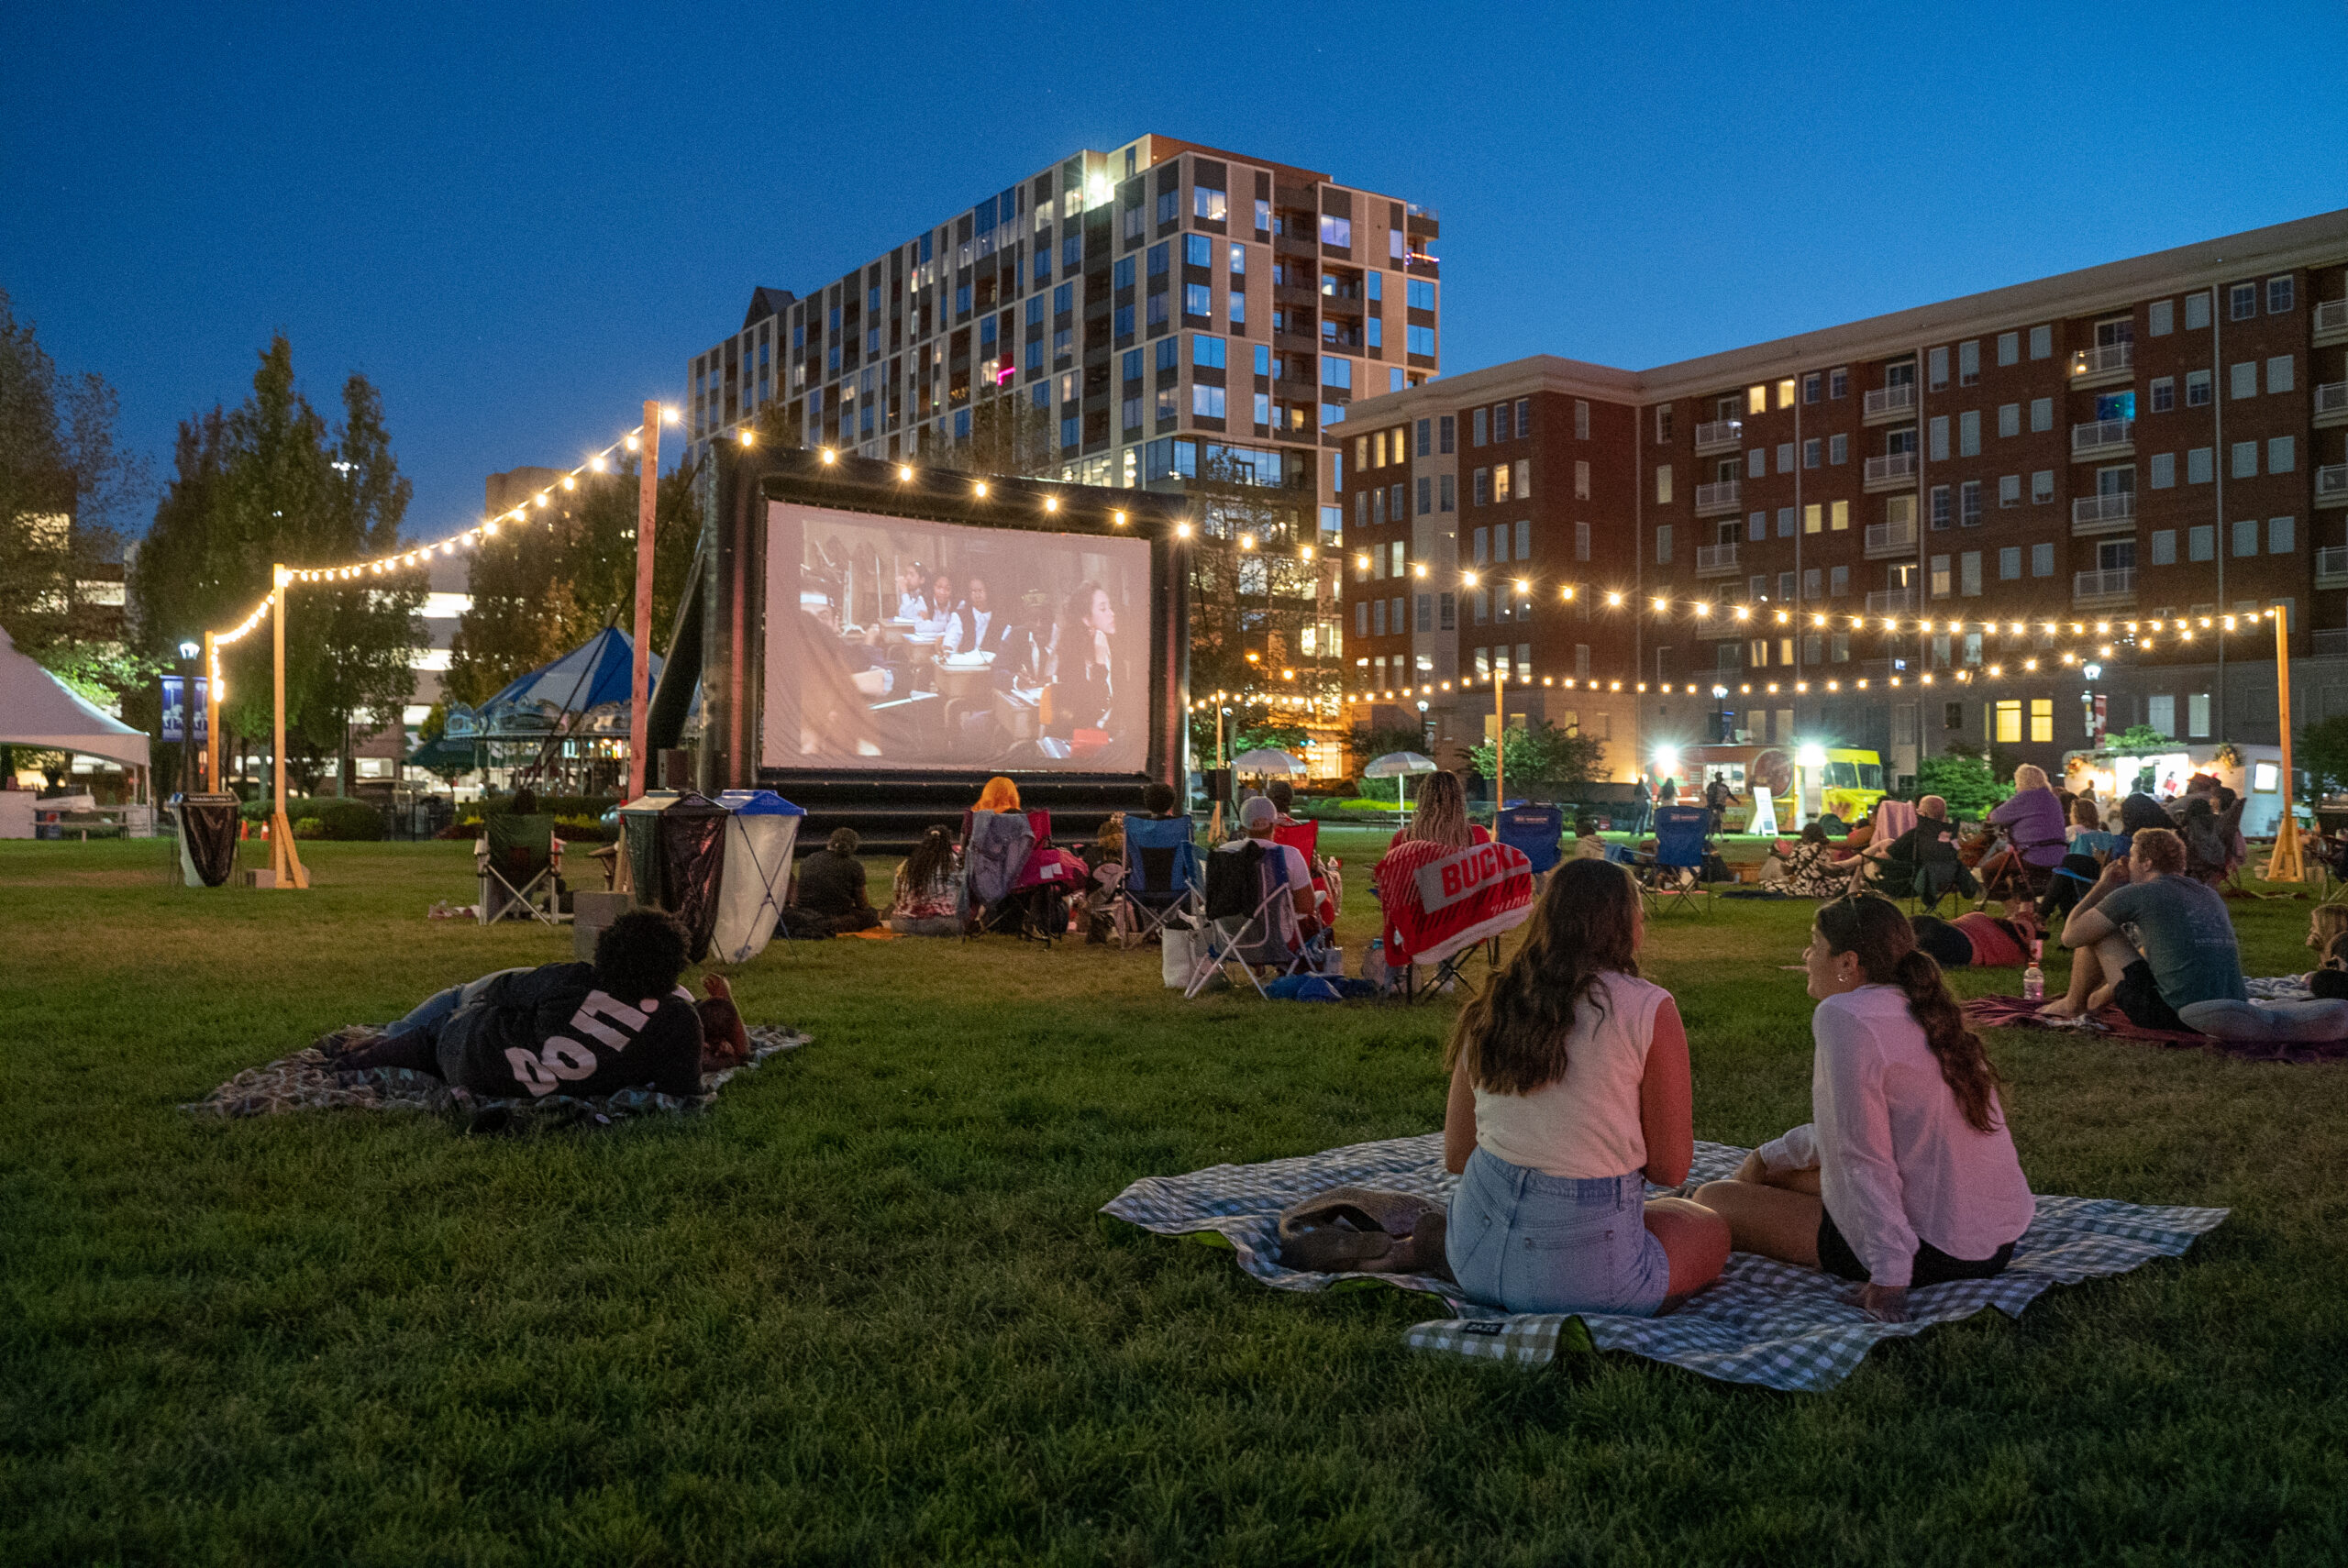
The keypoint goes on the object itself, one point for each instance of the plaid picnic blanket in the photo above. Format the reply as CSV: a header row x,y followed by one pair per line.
x,y
307,1081
2013,1012
1764,1322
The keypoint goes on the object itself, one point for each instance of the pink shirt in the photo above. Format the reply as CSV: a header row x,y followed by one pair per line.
x,y
1897,1161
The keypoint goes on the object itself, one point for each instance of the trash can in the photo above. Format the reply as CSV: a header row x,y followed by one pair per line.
x,y
760,837
675,846
208,833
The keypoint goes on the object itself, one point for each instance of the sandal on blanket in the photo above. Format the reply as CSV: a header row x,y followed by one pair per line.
x,y
1365,1230
337,1043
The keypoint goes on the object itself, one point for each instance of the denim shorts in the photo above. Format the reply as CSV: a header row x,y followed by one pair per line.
x,y
1524,1242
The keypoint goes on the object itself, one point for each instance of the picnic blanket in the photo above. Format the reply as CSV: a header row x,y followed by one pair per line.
x,y
307,1081
1764,1322
2013,1012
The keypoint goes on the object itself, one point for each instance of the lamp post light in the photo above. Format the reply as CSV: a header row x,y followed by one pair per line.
x,y
1720,714
190,650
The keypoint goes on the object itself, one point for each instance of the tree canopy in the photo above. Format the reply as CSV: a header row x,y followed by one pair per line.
x,y
1541,753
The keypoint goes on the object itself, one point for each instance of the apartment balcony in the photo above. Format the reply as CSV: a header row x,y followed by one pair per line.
x,y
2328,642
2330,323
2331,567
1893,471
1884,404
2104,514
1890,540
2331,404
2107,365
2103,438
1891,601
1721,496
2331,485
1715,560
1720,434
2109,588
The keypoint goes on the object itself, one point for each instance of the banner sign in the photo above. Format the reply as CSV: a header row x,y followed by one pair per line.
x,y
176,711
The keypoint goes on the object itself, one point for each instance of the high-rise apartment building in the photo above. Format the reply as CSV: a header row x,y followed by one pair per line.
x,y
2162,439
1163,315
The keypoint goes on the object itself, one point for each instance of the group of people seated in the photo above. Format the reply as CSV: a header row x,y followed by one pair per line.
x,y
1570,1089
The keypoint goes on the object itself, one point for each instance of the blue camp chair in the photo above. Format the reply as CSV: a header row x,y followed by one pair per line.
x,y
1675,871
1162,874
1536,831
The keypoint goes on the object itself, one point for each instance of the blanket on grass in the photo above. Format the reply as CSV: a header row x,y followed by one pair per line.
x,y
307,1080
2013,1012
1764,1322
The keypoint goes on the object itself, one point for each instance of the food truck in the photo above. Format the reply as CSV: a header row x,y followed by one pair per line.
x,y
1844,779
2254,772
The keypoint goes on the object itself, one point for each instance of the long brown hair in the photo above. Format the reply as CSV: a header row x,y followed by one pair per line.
x,y
1512,1036
1872,927
1441,814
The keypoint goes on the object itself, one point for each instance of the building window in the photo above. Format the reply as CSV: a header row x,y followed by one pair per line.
x,y
1446,612
2009,348
1581,419
2201,465
1663,425
1813,452
2197,389
2164,393
2196,310
2279,294
2246,537
1581,479
2245,459
2009,563
1936,369
1940,580
1581,541
1838,382
2041,719
2006,722
2280,532
1663,544
1940,506
1968,574
2241,302
2009,490
2282,454
1481,426
2201,543
1443,429
1968,504
2042,560
1968,363
1663,484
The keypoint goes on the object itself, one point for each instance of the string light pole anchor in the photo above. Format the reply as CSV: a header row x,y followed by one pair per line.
x,y
648,492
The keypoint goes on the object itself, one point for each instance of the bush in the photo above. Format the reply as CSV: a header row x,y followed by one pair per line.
x,y
582,830
558,806
352,821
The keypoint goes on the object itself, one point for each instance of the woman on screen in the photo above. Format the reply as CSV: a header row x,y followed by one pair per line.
x,y
1083,686
912,578
937,615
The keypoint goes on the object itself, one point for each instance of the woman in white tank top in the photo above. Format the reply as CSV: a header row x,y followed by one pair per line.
x,y
1569,1090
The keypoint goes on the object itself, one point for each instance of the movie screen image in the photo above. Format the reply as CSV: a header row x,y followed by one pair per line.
x,y
894,643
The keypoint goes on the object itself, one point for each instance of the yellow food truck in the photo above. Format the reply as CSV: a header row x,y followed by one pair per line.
x,y
1842,779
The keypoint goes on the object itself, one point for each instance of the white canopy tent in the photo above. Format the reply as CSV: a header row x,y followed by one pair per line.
x,y
39,710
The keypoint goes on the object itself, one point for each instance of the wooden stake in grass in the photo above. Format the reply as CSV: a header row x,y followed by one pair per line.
x,y
284,865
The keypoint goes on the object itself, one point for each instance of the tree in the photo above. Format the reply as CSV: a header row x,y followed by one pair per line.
x,y
271,482
2322,753
66,490
1010,435
1962,778
541,588
2136,737
1541,753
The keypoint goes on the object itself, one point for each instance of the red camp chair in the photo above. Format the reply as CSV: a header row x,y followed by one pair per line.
x,y
1328,887
1443,906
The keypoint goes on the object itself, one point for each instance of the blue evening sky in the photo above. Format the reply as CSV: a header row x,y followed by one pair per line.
x,y
521,221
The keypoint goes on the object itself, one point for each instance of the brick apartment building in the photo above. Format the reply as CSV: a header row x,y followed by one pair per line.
x,y
2150,439
1179,316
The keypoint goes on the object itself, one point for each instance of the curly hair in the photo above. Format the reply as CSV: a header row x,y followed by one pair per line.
x,y
1873,927
1513,1035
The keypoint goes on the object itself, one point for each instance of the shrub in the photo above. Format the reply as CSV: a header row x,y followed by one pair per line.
x,y
582,830
352,821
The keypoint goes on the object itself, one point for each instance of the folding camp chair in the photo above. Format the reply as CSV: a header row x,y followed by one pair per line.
x,y
1622,854
519,862
1443,906
996,848
1675,871
1162,877
1537,832
1328,887
1249,922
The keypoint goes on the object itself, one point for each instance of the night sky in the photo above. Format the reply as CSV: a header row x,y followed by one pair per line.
x,y
521,222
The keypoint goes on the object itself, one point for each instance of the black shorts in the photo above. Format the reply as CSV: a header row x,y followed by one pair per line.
x,y
2143,1002
1949,946
1932,1265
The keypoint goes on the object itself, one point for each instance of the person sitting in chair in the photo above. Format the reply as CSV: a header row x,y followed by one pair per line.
x,y
622,1021
1922,861
2161,945
1282,795
1257,819
1588,846
1157,799
831,885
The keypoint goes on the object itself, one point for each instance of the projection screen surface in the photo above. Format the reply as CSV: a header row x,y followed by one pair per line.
x,y
896,645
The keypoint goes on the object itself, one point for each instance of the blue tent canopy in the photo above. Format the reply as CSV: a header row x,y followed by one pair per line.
x,y
596,674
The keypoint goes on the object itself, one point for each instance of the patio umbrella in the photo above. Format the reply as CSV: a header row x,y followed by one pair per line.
x,y
1264,760
1398,765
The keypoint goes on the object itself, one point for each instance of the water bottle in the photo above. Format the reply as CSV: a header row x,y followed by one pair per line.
x,y
2033,979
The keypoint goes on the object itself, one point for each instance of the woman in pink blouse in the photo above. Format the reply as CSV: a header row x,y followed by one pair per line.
x,y
1907,1176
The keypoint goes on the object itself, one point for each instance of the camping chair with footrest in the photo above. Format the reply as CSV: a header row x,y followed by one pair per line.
x,y
519,862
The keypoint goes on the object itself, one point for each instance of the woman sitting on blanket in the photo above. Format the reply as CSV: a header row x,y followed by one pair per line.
x,y
932,898
1569,1088
1810,866
1907,1176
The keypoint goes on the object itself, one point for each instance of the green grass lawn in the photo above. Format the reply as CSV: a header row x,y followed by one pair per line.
x,y
863,1312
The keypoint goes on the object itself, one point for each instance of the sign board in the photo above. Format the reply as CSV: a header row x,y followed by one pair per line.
x,y
176,711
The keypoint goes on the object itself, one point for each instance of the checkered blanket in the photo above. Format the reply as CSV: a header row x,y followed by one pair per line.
x,y
1763,1322
307,1081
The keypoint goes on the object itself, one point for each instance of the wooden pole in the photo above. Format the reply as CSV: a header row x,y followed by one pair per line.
x,y
210,713
639,715
283,863
1500,743
2284,864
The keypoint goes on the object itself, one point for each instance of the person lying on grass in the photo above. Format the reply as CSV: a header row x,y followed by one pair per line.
x,y
2162,945
1907,1176
2326,925
1978,940
1569,1087
586,1029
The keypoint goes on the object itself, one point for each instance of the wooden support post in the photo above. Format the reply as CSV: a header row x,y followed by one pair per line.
x,y
210,713
2284,863
283,863
1499,745
639,715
